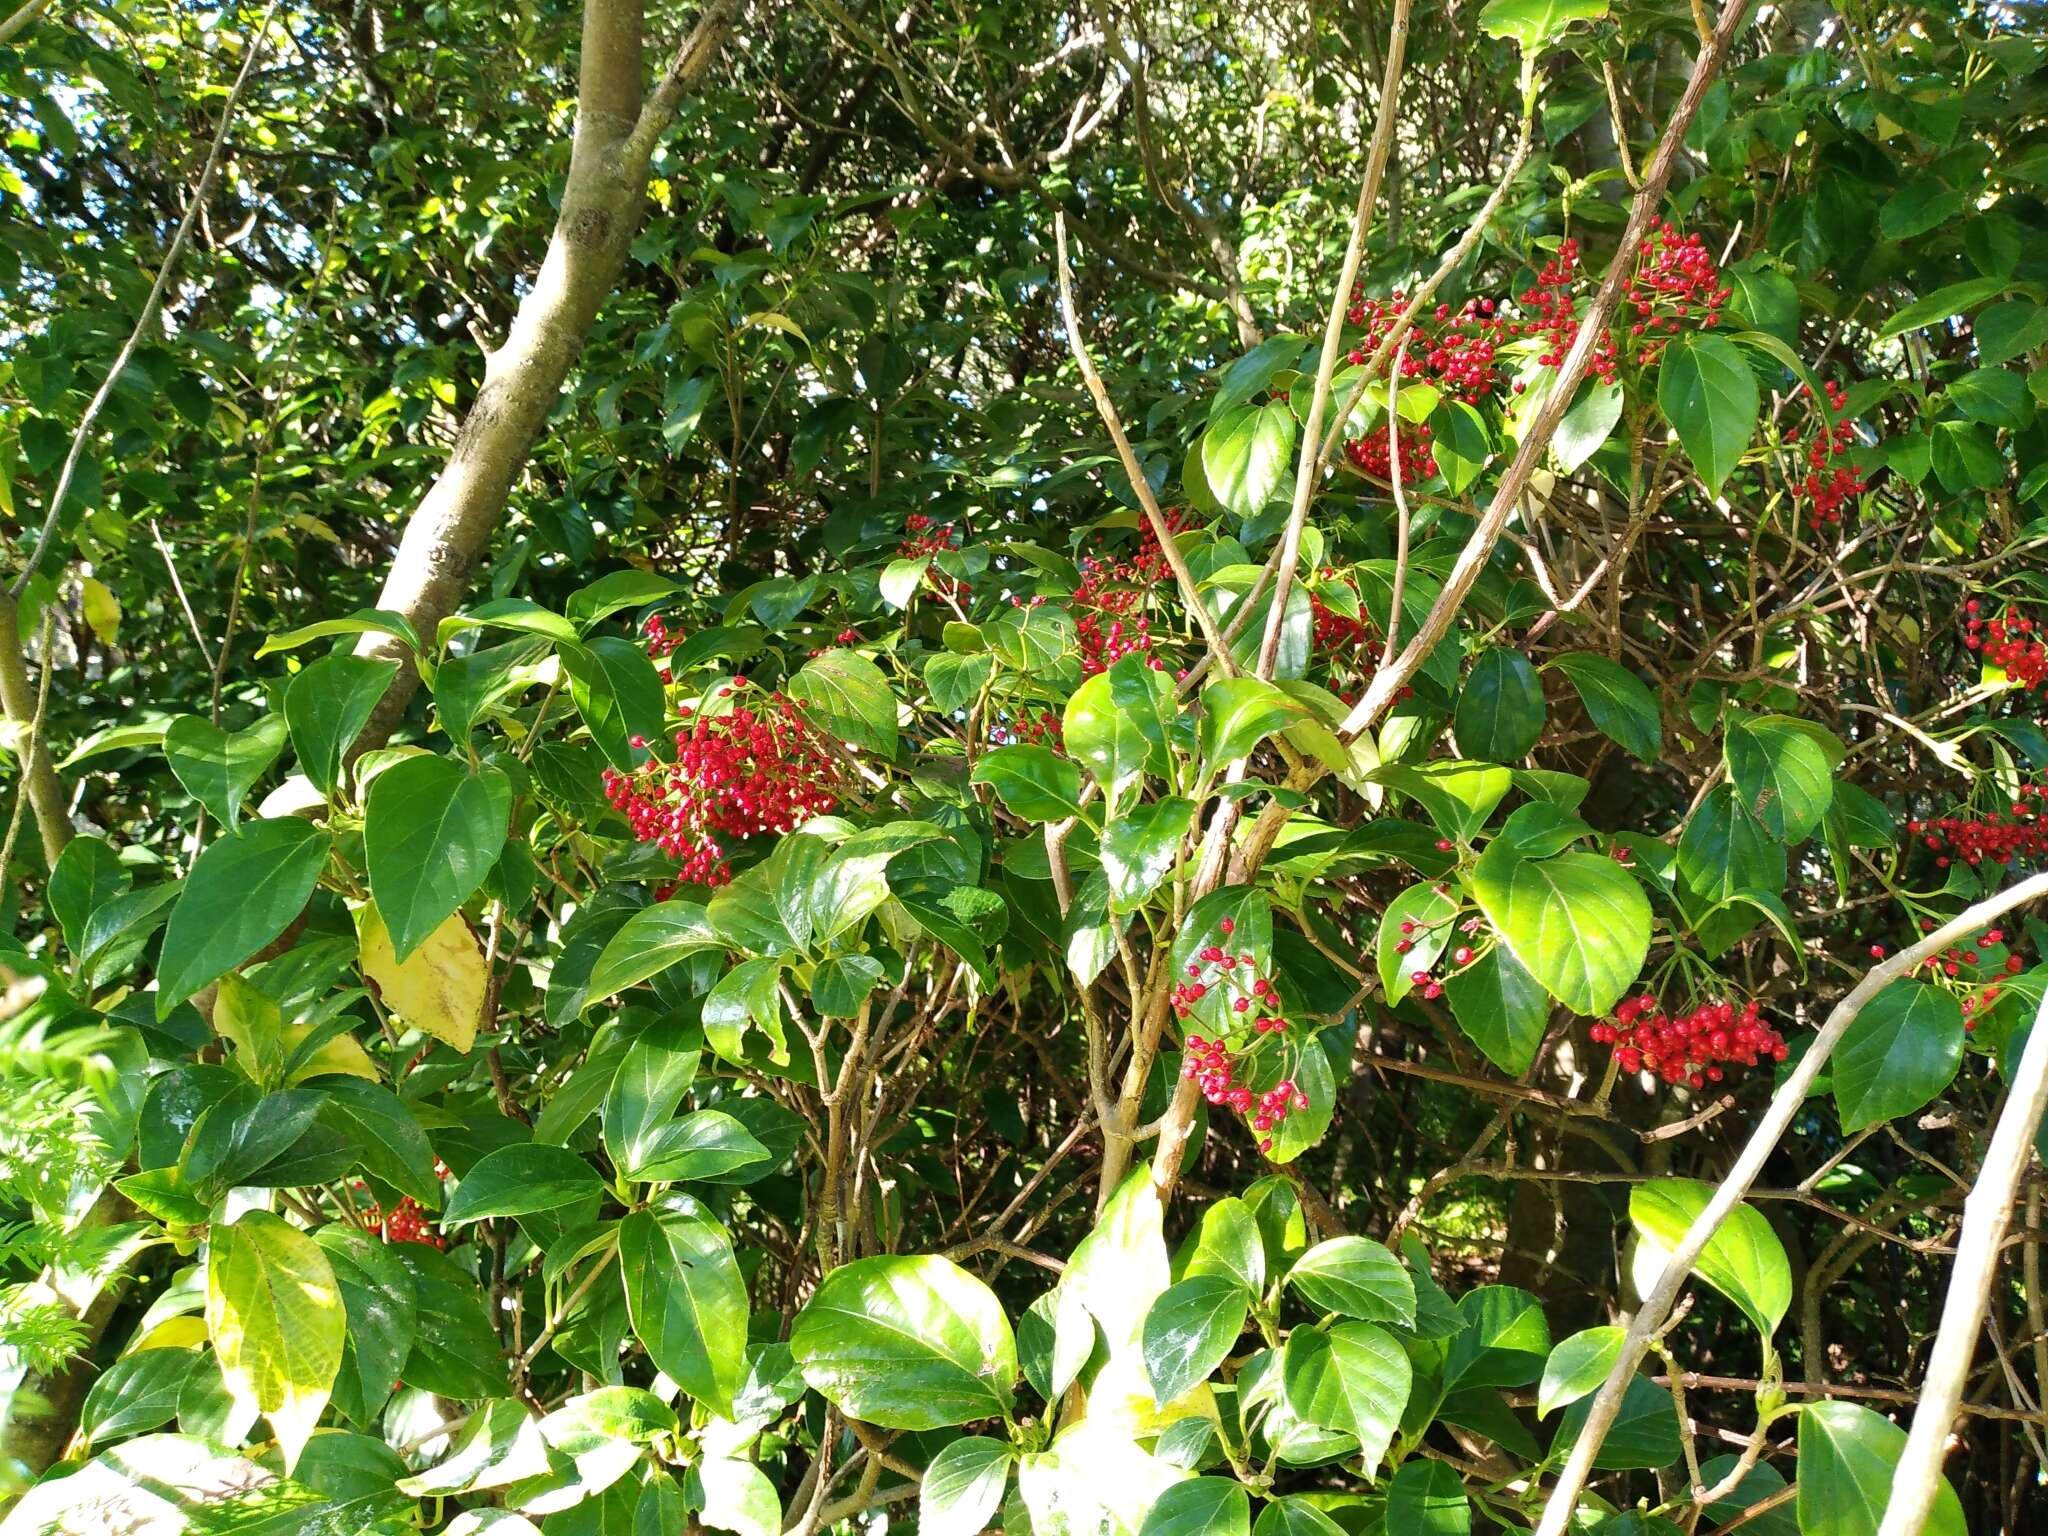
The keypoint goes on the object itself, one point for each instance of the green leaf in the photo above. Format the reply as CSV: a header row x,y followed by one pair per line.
x,y
963,1487
1034,782
1535,24
907,1343
520,1180
1201,1506
2009,330
1708,394
243,891
1422,918
1926,202
1501,1008
686,1299
708,1144
1784,769
648,943
381,1301
644,1094
1355,1378
137,1392
1032,637
1140,848
1500,711
1644,1434
1427,1498
274,1313
841,983
956,681
364,621
1357,1277
1245,453
326,707
1743,1260
846,696
1941,305
389,1142
1461,444
1995,396
1577,1366
1588,424
1240,712
1295,1516
1901,1050
737,1496
1724,850
610,593
499,1444
1189,1331
1253,373
87,875
1578,922
431,832
1617,703
1504,1343
1848,1462
1116,724
455,1350
617,692
1227,1243
219,768
1457,796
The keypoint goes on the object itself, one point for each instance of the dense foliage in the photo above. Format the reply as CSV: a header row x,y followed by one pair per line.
x,y
1056,769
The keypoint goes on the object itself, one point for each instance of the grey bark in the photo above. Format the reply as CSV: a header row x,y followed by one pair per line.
x,y
617,126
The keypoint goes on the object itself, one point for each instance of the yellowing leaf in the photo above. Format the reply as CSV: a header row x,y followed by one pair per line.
x,y
341,1056
440,987
102,610
276,1319
187,1332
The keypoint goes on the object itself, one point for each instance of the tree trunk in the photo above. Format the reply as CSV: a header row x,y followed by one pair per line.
x,y
18,699
602,201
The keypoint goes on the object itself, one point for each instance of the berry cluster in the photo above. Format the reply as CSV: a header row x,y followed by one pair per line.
x,y
1041,728
1253,1001
927,540
405,1223
1107,601
661,642
1370,454
1424,981
1554,314
1993,838
1948,967
1827,486
1452,348
1693,1048
736,775
2008,643
1337,633
1675,284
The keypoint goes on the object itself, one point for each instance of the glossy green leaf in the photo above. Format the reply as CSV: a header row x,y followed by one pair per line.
x,y
1033,782
1577,1366
520,1180
244,890
1355,1378
1744,1260
1427,1498
1617,703
686,1299
218,768
1708,394
845,695
907,1343
1356,1277
1245,453
326,707
1577,922
431,832
963,1487
1201,1506
1190,1330
1901,1051
1848,1461
1500,711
